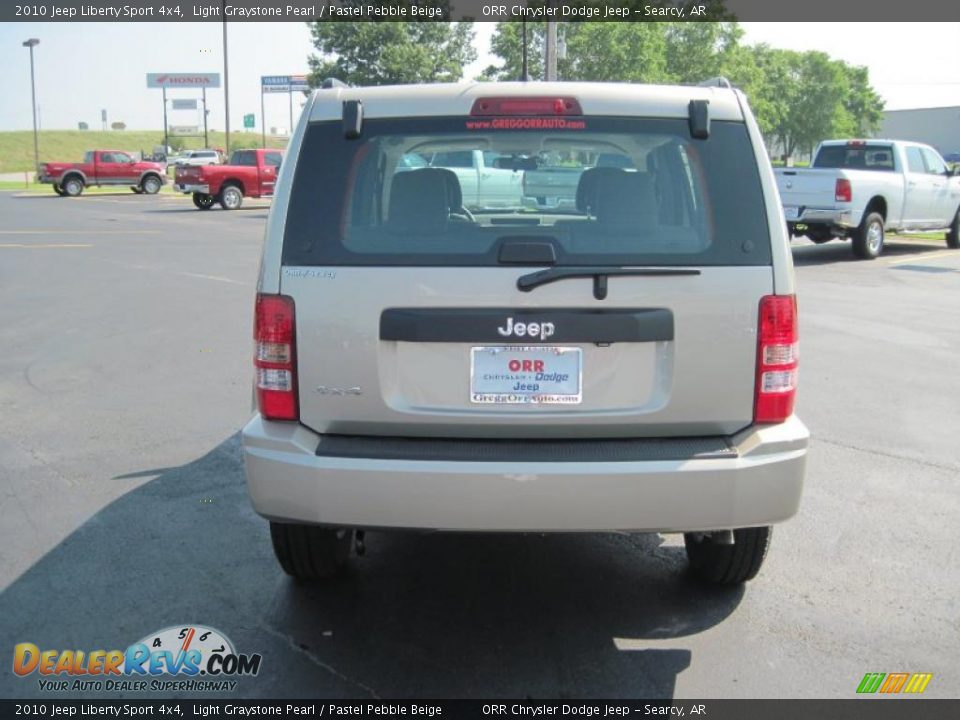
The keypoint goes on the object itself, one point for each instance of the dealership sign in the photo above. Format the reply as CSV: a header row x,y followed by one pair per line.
x,y
275,83
186,80
184,104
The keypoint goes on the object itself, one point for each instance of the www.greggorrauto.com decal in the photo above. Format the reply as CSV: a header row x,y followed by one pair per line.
x,y
183,658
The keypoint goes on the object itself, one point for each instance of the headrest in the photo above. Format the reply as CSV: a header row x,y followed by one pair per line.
x,y
626,201
452,183
588,185
418,202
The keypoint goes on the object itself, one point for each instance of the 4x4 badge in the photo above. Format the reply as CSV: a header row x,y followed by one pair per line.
x,y
325,390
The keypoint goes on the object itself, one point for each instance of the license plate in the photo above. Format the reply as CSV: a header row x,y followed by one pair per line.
x,y
538,375
791,212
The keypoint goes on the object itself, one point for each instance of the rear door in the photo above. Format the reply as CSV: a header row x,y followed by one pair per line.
x,y
917,200
413,320
268,172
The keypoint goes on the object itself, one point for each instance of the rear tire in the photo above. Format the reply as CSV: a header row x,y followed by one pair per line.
x,y
310,552
151,185
72,186
203,201
953,234
231,197
728,564
868,238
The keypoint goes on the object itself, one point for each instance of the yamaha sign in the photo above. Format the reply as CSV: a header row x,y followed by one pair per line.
x,y
183,80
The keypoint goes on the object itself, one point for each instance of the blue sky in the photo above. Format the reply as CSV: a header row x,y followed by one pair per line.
x,y
83,67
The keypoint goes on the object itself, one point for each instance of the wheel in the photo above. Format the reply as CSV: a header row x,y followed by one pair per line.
x,y
310,552
137,190
58,190
728,564
72,186
203,201
151,184
953,234
231,197
868,238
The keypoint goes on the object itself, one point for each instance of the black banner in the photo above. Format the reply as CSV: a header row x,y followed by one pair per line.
x,y
875,708
480,10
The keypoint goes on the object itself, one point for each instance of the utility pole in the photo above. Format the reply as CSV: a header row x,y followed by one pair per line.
x,y
226,76
206,141
32,43
550,59
166,139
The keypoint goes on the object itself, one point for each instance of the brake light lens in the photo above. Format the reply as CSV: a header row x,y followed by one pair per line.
x,y
274,357
527,106
843,191
777,359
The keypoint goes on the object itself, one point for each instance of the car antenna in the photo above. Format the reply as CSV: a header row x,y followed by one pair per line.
x,y
524,75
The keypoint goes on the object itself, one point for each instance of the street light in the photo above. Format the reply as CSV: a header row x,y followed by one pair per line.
x,y
31,43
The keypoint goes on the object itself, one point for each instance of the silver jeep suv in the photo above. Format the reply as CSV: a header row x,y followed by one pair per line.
x,y
621,357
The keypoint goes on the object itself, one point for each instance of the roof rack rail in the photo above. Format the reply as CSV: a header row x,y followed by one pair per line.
x,y
718,81
332,83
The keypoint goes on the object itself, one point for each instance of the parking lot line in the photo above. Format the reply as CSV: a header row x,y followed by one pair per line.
x,y
913,259
79,232
45,245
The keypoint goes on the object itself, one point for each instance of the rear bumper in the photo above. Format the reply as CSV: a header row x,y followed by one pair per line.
x,y
203,189
820,216
757,484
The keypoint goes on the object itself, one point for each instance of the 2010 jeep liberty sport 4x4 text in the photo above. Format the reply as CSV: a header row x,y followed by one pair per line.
x,y
626,362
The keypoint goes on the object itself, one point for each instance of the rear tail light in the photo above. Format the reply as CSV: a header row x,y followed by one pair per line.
x,y
777,356
275,357
843,192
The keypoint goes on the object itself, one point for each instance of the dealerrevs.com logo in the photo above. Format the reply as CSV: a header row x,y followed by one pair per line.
x,y
177,658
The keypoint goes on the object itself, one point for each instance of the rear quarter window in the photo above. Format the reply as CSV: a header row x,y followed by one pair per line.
x,y
645,194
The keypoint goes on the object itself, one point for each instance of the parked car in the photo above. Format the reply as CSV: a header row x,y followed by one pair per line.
x,y
250,173
103,167
628,367
197,158
483,184
860,189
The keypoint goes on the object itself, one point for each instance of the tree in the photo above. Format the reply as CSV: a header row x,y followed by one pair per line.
x,y
118,126
390,53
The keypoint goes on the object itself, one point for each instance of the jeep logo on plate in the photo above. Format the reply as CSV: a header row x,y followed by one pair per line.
x,y
541,330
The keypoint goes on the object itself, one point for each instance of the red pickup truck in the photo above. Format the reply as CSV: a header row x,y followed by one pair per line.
x,y
103,167
251,173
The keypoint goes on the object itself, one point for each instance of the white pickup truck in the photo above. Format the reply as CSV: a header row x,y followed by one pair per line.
x,y
483,184
859,189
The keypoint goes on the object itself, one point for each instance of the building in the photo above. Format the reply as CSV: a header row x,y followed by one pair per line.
x,y
939,127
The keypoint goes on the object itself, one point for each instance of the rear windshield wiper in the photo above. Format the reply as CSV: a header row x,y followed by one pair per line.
x,y
526,283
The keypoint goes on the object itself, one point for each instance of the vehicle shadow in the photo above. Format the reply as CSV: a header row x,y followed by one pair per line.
x,y
420,615
837,251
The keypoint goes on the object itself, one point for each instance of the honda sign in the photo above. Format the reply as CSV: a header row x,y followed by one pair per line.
x,y
200,80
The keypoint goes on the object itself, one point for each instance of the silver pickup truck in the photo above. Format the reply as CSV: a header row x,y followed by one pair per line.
x,y
859,189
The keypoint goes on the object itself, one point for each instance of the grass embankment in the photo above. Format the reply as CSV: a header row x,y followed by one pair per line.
x,y
16,148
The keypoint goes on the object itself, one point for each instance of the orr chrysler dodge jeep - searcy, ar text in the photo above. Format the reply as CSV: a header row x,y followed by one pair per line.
x,y
626,361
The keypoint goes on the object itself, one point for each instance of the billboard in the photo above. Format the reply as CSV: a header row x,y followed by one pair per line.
x,y
299,82
200,80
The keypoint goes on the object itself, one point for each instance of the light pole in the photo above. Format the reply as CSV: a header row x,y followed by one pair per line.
x,y
31,43
226,76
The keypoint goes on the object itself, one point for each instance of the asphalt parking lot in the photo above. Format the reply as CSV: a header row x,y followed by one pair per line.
x,y
125,324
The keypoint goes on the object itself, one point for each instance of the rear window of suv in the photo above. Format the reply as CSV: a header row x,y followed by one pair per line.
x,y
669,201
